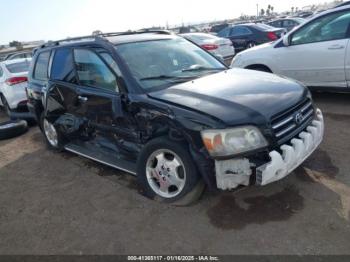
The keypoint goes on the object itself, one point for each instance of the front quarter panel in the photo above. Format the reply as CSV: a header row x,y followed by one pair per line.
x,y
258,56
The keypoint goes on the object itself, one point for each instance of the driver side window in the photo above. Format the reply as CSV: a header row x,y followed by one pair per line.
x,y
92,70
326,28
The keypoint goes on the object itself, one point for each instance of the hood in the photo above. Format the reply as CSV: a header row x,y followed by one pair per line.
x,y
236,96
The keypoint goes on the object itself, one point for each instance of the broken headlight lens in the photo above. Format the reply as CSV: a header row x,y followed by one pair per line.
x,y
226,142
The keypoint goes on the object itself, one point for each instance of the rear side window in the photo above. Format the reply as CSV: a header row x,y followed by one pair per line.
x,y
62,67
240,30
41,67
1,72
224,32
18,67
92,71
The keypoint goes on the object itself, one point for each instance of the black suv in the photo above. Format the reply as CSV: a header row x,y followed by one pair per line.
x,y
157,106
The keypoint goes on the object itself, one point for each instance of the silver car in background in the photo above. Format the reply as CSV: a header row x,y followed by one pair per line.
x,y
220,47
13,82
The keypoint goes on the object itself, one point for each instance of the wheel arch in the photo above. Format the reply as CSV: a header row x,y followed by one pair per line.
x,y
259,65
188,133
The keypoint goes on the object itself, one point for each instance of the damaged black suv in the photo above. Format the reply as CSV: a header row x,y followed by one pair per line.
x,y
159,107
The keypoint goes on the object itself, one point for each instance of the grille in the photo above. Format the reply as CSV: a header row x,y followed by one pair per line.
x,y
290,123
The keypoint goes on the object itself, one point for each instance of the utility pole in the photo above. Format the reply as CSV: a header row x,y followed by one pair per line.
x,y
257,10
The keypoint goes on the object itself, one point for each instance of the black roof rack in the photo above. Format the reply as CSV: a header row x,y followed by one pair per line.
x,y
102,36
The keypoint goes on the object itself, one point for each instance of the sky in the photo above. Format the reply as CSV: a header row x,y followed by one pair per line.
x,y
27,20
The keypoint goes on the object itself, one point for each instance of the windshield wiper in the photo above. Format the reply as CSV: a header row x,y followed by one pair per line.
x,y
202,68
167,77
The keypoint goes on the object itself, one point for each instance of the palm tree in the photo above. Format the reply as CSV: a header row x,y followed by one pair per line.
x,y
262,12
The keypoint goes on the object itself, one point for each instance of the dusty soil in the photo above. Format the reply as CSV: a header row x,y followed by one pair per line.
x,y
59,203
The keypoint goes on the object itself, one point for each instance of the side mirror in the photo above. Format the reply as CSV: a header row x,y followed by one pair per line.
x,y
286,40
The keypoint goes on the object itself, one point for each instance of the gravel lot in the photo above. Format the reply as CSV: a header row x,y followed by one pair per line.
x,y
59,203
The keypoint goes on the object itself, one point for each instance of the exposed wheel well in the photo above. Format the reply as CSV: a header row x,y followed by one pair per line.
x,y
259,67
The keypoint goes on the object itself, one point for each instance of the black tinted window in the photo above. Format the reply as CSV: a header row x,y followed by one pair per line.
x,y
224,32
92,71
240,30
41,67
62,66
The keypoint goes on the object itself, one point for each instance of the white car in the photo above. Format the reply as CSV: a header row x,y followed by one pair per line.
x,y
317,53
13,81
220,47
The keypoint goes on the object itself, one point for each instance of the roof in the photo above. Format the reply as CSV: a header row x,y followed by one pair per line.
x,y
114,38
14,61
122,39
341,8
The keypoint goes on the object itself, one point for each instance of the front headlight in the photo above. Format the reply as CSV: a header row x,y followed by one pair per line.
x,y
226,142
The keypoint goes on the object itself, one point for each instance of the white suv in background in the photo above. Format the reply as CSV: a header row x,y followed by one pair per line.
x,y
13,81
316,53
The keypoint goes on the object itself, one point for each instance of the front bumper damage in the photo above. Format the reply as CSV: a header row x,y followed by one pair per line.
x,y
232,173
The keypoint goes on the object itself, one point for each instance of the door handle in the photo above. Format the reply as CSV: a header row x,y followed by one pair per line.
x,y
335,47
83,99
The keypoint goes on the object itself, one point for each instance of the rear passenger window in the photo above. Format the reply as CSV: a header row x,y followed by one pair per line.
x,y
240,30
41,67
92,71
62,68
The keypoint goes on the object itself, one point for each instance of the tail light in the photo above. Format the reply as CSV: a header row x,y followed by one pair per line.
x,y
16,80
272,36
210,47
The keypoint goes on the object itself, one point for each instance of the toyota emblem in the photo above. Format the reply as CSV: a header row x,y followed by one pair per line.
x,y
298,118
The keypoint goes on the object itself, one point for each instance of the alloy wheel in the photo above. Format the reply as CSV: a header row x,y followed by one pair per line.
x,y
165,173
50,133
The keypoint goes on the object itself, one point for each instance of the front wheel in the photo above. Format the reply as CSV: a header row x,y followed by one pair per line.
x,y
250,45
167,172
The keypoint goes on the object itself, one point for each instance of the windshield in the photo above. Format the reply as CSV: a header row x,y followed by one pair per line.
x,y
162,63
18,67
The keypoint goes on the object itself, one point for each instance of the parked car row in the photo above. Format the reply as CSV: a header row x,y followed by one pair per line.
x,y
248,35
316,53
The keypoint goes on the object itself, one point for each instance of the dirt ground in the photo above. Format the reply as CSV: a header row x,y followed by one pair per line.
x,y
59,203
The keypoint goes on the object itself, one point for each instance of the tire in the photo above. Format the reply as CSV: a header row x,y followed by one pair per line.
x,y
171,163
10,129
250,45
54,140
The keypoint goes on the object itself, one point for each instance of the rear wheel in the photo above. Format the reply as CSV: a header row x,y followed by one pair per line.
x,y
52,136
250,45
166,172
